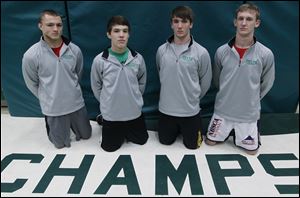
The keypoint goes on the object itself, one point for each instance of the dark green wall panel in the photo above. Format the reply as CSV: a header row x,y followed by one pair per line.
x,y
85,23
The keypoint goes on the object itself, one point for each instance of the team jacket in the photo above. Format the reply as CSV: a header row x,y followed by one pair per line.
x,y
54,80
184,79
242,84
119,87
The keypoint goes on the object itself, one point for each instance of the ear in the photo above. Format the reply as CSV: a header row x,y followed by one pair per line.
x,y
191,26
257,23
234,23
40,26
108,35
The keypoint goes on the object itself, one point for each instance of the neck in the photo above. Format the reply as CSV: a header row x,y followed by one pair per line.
x,y
243,42
53,43
181,41
118,50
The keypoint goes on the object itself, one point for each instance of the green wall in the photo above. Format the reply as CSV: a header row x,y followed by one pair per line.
x,y
85,23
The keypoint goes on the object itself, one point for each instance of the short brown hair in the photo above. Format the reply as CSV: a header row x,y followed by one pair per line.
x,y
183,12
117,20
49,12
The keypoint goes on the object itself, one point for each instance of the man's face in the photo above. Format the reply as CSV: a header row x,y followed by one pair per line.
x,y
119,37
246,22
181,27
51,27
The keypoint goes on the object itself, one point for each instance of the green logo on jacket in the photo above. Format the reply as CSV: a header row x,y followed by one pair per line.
x,y
187,58
133,65
251,62
68,56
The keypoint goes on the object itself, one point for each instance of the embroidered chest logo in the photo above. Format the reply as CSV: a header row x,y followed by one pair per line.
x,y
133,65
251,62
68,56
187,58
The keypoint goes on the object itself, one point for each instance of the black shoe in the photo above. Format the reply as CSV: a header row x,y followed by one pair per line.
x,y
99,119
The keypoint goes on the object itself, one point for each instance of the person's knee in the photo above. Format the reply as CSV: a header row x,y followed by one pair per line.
x,y
57,142
166,141
86,136
87,133
142,141
140,138
192,147
191,144
110,148
60,146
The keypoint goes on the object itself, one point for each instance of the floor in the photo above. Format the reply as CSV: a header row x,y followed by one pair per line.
x,y
32,166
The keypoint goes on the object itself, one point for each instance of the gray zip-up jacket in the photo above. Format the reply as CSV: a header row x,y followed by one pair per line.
x,y
242,84
54,80
119,87
184,79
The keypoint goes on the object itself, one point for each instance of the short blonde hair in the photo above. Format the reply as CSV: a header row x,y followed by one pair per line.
x,y
248,6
